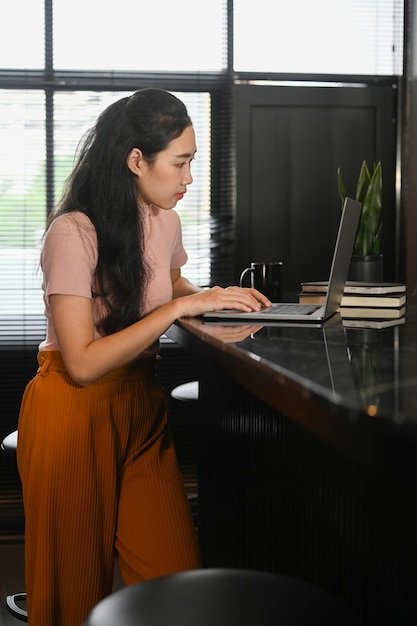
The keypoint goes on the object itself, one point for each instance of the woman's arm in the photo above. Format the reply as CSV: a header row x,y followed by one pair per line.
x,y
87,358
181,286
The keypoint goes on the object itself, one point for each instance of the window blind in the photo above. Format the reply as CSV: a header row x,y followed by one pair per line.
x,y
22,213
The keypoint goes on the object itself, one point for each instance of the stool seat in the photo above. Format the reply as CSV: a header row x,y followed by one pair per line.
x,y
220,597
9,443
188,392
12,603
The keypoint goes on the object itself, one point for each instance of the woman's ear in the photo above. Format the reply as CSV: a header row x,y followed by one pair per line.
x,y
135,161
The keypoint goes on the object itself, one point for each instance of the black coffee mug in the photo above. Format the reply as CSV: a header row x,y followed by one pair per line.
x,y
266,278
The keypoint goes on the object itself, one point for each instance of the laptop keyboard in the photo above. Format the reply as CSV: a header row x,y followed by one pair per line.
x,y
292,308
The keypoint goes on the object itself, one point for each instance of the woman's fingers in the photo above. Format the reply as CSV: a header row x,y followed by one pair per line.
x,y
242,299
253,298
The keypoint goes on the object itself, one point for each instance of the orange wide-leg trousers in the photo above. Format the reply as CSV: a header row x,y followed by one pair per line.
x,y
100,478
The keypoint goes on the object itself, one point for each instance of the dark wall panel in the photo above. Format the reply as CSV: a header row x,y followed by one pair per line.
x,y
290,142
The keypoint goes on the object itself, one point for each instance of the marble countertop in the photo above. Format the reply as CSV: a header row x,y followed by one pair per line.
x,y
354,387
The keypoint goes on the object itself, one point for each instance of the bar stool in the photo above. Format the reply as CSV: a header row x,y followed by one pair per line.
x,y
187,392
9,444
224,597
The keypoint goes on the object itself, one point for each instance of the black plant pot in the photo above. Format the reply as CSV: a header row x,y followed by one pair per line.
x,y
367,269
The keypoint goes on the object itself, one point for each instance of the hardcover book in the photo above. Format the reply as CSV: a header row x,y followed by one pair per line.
x,y
371,312
364,323
350,300
353,287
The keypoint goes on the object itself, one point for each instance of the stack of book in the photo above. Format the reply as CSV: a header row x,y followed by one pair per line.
x,y
374,305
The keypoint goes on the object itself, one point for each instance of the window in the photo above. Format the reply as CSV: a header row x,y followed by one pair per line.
x,y
167,36
351,37
20,23
40,127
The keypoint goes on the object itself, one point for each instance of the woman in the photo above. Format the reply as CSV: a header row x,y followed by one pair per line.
x,y
95,454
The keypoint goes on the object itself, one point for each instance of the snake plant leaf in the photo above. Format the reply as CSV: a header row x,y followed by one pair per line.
x,y
341,186
369,193
363,183
368,236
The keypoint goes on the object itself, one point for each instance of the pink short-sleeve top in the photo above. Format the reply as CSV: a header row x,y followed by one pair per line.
x,y
69,259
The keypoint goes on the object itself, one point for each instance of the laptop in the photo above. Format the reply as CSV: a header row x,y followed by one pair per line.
x,y
309,313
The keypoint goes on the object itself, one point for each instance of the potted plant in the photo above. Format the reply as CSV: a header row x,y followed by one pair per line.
x,y
367,261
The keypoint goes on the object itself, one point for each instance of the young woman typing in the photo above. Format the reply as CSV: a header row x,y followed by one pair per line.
x,y
95,452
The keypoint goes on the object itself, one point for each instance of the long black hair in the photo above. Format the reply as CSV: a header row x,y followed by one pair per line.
x,y
102,186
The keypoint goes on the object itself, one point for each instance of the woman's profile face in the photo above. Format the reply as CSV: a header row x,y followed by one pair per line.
x,y
164,181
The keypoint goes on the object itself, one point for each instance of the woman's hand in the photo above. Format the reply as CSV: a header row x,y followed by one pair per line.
x,y
239,298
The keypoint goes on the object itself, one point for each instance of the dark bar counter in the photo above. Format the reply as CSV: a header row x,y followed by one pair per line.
x,y
308,456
